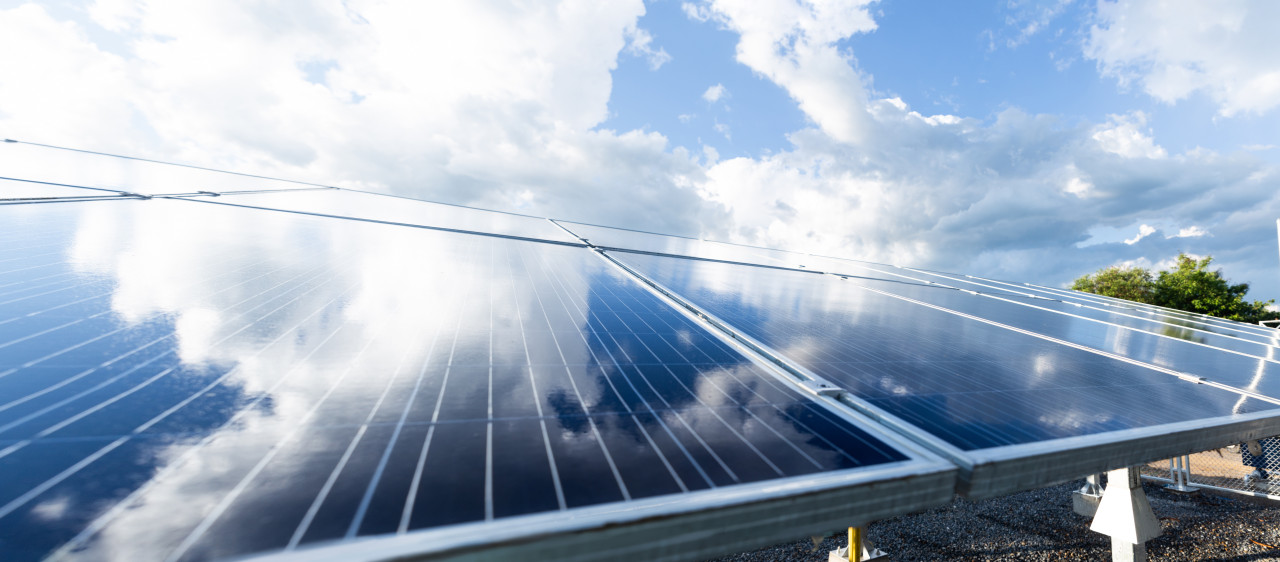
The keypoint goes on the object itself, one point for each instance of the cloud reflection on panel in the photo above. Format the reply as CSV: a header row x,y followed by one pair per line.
x,y
921,363
337,378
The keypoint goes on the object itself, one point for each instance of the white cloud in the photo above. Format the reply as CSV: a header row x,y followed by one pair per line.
x,y
1078,186
1190,232
1229,50
724,130
512,108
1143,232
1122,135
511,119
792,43
714,93
640,44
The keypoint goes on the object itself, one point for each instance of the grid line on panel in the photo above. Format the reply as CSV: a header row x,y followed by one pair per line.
x,y
329,483
411,498
731,398
667,407
723,335
488,437
113,360
367,499
613,467
234,493
119,357
718,417
542,422
47,484
124,504
613,387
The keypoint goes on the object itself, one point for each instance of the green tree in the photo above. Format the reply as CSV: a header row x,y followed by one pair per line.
x,y
1128,283
1189,286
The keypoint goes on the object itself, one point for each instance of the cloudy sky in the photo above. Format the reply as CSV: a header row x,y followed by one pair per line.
x,y
1015,139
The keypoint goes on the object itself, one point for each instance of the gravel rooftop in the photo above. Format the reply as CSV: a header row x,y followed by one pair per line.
x,y
1040,525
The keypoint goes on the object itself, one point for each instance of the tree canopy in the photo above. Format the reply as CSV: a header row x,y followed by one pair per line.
x,y
1189,286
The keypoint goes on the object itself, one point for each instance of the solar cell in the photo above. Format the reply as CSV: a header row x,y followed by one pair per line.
x,y
181,380
989,393
387,208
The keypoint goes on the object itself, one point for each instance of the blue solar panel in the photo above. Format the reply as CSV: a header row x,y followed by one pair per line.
x,y
973,384
386,208
194,381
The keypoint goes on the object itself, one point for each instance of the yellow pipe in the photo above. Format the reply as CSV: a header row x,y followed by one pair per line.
x,y
855,544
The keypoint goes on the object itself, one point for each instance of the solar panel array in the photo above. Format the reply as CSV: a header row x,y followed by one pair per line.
x,y
209,375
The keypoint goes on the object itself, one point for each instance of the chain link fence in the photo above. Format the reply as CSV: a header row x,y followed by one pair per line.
x,y
1248,468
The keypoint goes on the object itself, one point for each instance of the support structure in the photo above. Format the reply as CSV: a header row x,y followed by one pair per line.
x,y
1125,515
1180,474
859,548
1085,500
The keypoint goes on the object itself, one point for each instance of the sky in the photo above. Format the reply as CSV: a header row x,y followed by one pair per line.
x,y
1015,139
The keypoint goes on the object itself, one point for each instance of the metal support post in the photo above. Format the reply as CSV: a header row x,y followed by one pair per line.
x,y
1085,500
1125,515
1180,474
859,548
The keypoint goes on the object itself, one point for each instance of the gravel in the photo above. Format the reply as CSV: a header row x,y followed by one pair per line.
x,y
1040,525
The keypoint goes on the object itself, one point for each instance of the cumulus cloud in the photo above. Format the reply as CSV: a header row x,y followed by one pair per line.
x,y
356,94
714,93
793,43
1229,50
1017,198
477,102
640,43
1143,232
1126,135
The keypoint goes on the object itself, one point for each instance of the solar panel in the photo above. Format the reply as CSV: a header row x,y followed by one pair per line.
x,y
184,380
399,210
990,394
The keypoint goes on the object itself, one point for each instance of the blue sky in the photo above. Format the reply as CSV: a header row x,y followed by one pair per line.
x,y
966,58
1016,139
